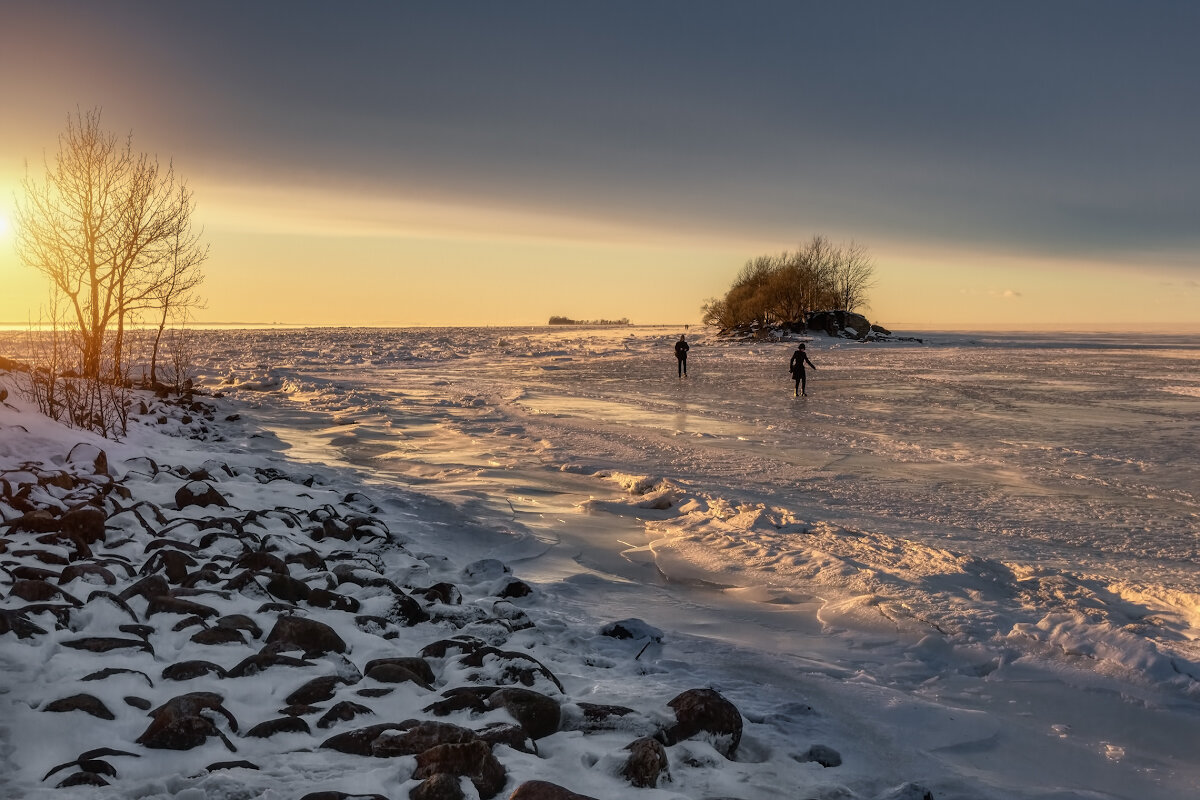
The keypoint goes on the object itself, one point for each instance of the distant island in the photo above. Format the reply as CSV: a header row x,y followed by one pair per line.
x,y
569,321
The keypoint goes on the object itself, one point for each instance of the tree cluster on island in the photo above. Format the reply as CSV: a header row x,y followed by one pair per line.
x,y
786,289
556,320
111,229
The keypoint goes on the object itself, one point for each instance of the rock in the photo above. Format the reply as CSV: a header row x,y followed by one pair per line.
x,y
14,622
632,628
705,711
39,591
906,791
538,714
166,604
287,588
418,666
825,756
314,638
187,670
341,796
442,592
407,611
265,730
148,587
461,644
81,702
85,523
647,763
88,457
108,672
91,764
259,561
473,761
103,644
218,636
323,598
544,790
140,703
222,765
252,665
597,717
199,493
240,622
37,521
358,742
395,673
316,690
420,737
86,571
438,787
513,736
509,666
343,711
513,588
486,569
82,779
178,724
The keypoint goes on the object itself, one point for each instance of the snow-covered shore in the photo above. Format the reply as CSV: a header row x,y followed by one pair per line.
x,y
871,647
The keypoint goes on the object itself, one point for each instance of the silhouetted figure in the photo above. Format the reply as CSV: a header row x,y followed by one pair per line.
x,y
681,350
799,359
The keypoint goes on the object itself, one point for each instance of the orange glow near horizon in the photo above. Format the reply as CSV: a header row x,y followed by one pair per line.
x,y
304,255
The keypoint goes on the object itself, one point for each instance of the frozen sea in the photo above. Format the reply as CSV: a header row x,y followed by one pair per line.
x,y
986,546
971,562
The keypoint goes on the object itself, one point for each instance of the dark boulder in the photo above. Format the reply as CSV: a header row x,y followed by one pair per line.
x,y
252,665
81,702
343,711
199,493
647,763
705,711
211,636
420,737
544,790
821,754
537,713
179,723
187,670
316,690
473,760
418,666
88,458
265,730
441,786
314,638
358,742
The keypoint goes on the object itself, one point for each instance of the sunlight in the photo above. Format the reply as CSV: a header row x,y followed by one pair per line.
x,y
5,225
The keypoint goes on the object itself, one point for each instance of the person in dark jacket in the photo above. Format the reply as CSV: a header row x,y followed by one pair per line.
x,y
799,359
681,350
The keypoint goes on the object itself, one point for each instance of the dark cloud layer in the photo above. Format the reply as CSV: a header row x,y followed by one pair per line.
x,y
1064,128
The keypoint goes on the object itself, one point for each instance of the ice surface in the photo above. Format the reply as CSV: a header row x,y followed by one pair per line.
x,y
973,561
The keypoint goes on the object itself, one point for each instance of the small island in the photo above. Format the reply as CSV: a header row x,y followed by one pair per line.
x,y
568,321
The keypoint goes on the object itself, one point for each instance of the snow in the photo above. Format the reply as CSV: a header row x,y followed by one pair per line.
x,y
967,566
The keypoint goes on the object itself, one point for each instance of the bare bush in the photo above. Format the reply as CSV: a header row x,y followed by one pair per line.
x,y
785,288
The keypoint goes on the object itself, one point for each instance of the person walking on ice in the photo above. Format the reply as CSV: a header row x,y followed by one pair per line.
x,y
681,351
799,359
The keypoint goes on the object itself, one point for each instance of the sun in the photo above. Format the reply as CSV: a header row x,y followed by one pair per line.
x,y
5,226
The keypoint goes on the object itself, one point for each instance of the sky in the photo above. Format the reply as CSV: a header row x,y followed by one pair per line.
x,y
1007,165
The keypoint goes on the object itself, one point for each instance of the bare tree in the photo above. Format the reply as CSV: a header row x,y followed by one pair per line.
x,y
853,275
175,294
112,231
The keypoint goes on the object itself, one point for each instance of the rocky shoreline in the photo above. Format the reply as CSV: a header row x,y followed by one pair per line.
x,y
185,627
